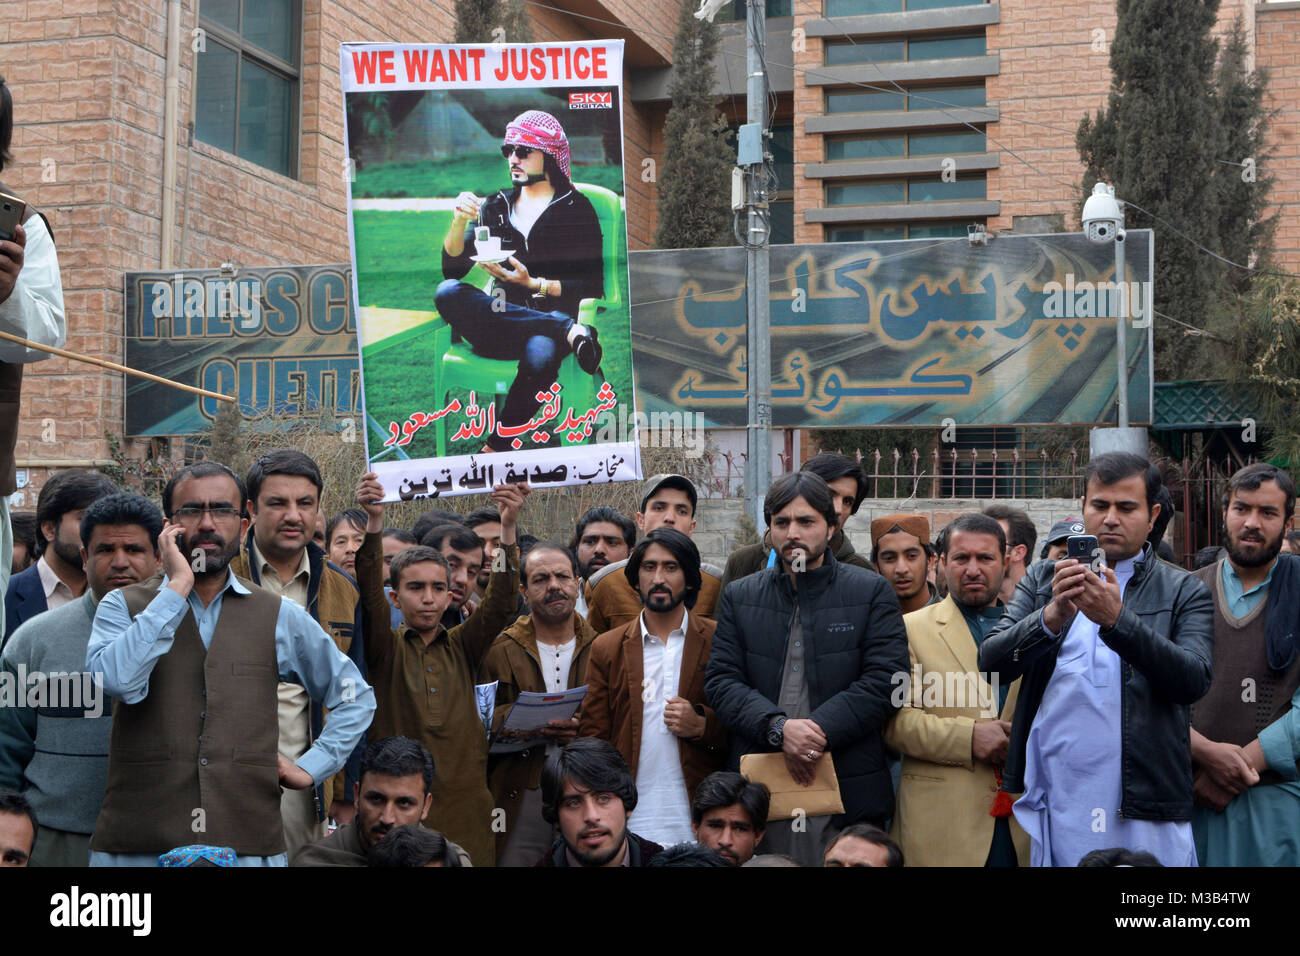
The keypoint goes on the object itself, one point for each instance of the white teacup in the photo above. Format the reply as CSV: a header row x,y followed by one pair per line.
x,y
487,245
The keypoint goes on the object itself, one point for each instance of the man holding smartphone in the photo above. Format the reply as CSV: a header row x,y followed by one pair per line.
x,y
556,261
31,307
1111,660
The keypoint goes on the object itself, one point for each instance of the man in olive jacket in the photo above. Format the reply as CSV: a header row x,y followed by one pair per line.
x,y
545,651
803,662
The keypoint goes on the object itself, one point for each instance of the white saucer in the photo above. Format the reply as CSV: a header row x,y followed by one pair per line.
x,y
501,257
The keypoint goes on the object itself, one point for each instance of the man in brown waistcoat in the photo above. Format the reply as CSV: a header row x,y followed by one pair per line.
x,y
193,663
31,307
1246,730
544,651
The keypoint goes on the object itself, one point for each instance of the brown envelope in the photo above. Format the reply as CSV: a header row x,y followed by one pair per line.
x,y
819,798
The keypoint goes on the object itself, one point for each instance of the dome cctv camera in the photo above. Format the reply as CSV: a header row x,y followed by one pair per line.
x,y
1103,217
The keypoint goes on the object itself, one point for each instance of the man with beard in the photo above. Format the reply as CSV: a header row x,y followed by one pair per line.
x,y
395,790
424,673
729,815
900,550
280,556
588,792
57,578
1021,538
193,663
848,484
667,501
486,525
646,688
544,651
803,662
1246,730
601,537
948,731
1111,658
557,261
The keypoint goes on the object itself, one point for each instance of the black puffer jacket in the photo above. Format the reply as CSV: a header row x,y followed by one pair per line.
x,y
856,648
1164,637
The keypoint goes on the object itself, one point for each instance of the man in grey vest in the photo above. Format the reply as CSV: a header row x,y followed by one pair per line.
x,y
194,663
54,747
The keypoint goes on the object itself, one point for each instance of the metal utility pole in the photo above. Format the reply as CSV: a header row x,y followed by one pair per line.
x,y
758,464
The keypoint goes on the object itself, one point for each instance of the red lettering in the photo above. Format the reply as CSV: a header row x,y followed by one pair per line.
x,y
439,71
363,65
457,64
579,55
417,64
555,55
519,64
386,74
503,71
598,69
477,57
539,63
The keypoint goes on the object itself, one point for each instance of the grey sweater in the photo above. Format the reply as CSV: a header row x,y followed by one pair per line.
x,y
55,721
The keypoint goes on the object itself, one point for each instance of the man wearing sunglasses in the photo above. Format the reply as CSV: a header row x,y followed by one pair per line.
x,y
553,236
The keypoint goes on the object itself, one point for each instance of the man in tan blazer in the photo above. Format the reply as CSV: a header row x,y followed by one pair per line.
x,y
645,688
947,730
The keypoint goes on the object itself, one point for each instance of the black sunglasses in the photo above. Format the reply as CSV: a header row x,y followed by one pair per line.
x,y
523,152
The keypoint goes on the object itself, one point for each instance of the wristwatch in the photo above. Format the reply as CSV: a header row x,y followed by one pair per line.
x,y
776,731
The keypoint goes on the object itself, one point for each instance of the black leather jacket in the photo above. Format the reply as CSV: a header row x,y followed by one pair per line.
x,y
856,654
1164,637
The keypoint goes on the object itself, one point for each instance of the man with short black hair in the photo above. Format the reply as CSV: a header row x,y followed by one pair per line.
x,y
395,539
645,687
863,845
848,484
395,790
194,663
486,525
667,501
25,534
544,651
280,556
57,578
1111,660
729,815
948,729
18,828
464,553
1244,745
1021,537
602,536
57,753
425,673
589,793
900,552
803,661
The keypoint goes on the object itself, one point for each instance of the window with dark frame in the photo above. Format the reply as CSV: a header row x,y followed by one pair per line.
x,y
248,77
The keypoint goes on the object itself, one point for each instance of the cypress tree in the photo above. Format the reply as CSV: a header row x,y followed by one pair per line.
x,y
695,180
1158,144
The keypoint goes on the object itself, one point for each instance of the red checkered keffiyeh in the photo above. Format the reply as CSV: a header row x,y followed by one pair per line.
x,y
540,131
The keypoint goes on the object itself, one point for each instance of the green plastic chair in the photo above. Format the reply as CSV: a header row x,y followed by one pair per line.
x,y
461,369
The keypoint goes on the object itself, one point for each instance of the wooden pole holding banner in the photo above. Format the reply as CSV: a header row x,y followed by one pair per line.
x,y
114,367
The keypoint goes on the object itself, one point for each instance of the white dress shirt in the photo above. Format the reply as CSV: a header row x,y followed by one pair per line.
x,y
663,810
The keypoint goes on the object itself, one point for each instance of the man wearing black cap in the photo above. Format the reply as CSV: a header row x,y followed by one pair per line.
x,y
1054,544
667,501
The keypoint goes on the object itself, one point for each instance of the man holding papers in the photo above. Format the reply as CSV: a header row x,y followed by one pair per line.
x,y
646,688
423,674
542,652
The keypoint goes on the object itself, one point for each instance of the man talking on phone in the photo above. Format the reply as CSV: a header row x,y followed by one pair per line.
x,y
553,236
31,307
1112,651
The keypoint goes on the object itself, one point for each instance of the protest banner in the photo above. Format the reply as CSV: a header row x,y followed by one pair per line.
x,y
489,261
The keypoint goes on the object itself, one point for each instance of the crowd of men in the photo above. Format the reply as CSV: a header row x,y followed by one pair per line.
x,y
208,683
234,679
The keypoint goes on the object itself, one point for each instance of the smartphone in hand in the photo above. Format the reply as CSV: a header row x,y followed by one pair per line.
x,y
1085,548
12,212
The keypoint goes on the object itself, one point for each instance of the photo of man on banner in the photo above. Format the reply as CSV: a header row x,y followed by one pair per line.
x,y
541,243
489,243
